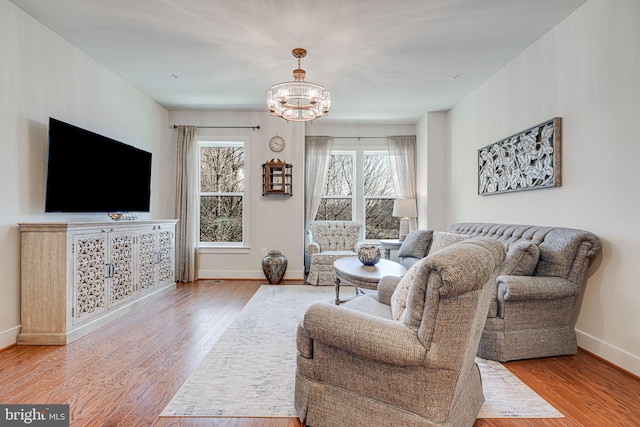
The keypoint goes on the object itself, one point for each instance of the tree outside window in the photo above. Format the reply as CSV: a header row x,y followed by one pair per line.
x,y
337,200
222,177
379,195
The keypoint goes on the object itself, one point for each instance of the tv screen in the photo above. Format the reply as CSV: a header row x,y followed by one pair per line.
x,y
87,172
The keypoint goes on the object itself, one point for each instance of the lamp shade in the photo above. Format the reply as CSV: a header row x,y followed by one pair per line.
x,y
405,208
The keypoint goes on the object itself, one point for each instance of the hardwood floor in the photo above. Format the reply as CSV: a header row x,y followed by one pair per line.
x,y
125,373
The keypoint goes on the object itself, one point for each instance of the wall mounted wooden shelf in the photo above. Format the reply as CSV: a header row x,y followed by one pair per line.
x,y
277,178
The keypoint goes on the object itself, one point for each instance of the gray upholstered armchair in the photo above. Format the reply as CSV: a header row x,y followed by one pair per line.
x,y
357,366
328,241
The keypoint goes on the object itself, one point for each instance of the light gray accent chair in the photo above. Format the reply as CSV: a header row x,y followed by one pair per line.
x,y
356,366
328,241
535,300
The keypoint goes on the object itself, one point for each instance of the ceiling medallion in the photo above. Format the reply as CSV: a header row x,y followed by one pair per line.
x,y
297,100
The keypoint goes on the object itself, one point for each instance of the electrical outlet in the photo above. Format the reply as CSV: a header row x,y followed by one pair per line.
x,y
265,251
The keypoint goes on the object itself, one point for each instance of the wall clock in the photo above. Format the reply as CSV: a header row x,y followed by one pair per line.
x,y
276,144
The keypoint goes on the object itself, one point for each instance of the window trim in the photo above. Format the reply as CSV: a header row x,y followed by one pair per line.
x,y
227,247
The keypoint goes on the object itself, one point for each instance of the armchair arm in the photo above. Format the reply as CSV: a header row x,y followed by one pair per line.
x,y
304,343
386,286
363,335
532,288
313,248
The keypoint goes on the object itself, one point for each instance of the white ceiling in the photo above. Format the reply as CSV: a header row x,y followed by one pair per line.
x,y
383,61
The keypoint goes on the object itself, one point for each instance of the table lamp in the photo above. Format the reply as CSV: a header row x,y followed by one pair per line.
x,y
405,209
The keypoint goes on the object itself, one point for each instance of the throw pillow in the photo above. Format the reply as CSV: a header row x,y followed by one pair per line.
x,y
416,244
401,293
442,239
521,260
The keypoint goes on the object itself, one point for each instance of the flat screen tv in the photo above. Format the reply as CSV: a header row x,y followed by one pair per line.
x,y
87,172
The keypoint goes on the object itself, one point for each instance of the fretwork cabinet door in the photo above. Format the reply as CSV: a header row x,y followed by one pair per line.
x,y
156,263
147,259
103,272
166,250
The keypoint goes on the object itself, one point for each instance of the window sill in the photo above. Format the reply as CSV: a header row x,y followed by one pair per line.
x,y
224,250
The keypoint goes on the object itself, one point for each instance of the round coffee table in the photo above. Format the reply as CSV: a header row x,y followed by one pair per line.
x,y
350,271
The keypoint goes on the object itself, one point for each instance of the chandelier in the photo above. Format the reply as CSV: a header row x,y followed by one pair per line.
x,y
297,100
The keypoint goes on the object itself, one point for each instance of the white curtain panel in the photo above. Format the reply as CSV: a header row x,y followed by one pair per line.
x,y
317,159
402,155
188,183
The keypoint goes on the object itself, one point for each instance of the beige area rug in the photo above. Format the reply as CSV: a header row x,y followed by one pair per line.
x,y
250,372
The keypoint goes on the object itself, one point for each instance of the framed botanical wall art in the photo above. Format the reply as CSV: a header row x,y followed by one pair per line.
x,y
525,161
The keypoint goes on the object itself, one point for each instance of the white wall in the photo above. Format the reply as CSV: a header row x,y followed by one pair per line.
x,y
432,170
43,76
586,71
274,222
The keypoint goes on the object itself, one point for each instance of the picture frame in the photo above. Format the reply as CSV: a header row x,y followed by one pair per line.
x,y
528,160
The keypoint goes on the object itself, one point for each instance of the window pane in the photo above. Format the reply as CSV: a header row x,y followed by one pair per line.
x,y
334,210
379,223
340,176
221,219
377,176
222,169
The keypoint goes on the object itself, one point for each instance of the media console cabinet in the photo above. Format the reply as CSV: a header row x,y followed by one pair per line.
x,y
79,276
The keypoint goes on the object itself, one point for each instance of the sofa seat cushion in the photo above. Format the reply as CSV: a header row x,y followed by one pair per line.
x,y
328,257
369,304
522,258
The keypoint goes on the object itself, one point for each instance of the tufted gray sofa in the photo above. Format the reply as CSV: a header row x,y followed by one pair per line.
x,y
534,305
533,315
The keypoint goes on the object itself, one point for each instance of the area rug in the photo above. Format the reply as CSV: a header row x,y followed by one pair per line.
x,y
250,372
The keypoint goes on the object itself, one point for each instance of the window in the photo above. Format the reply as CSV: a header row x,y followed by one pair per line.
x,y
222,201
379,195
359,188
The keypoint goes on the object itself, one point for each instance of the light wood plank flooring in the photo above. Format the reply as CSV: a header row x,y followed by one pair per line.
x,y
125,373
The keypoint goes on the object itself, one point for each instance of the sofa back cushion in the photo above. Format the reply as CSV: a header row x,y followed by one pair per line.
x,y
564,252
416,244
442,239
522,259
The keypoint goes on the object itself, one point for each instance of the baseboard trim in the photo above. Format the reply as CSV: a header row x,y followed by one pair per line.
x,y
245,274
609,353
9,337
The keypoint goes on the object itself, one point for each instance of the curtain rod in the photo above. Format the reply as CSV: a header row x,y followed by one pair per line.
x,y
225,127
359,137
